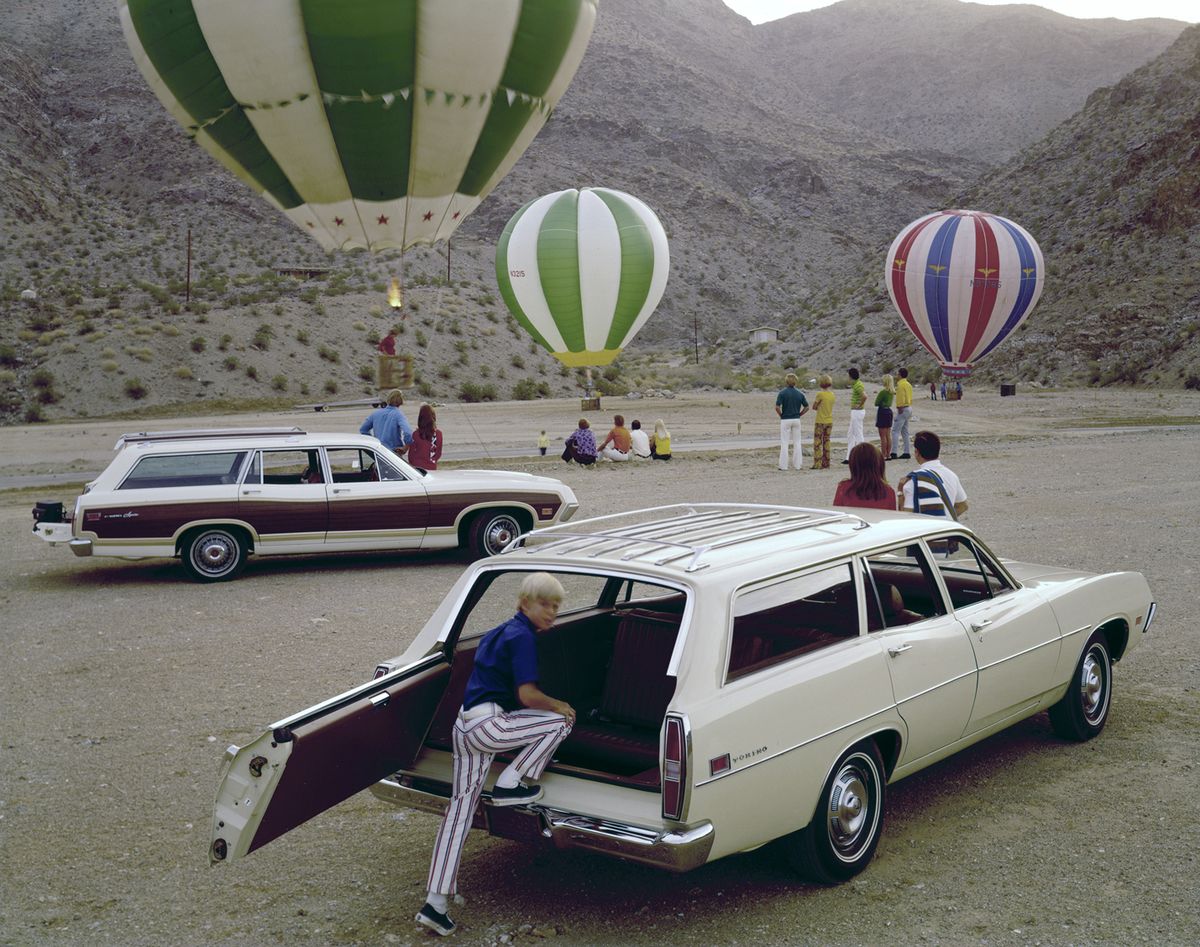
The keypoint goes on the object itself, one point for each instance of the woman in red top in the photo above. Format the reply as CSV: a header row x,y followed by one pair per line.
x,y
426,445
866,486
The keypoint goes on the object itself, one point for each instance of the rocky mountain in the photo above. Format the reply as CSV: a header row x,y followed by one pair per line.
x,y
772,193
962,78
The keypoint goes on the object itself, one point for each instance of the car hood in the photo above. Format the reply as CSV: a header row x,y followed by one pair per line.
x,y
1032,575
458,479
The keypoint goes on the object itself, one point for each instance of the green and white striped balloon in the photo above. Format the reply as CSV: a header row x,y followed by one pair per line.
x,y
582,271
370,123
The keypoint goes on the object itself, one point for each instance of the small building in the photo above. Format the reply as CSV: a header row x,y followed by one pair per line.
x,y
303,272
764,334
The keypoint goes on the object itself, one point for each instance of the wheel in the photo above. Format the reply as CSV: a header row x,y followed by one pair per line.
x,y
491,531
1083,710
213,554
841,839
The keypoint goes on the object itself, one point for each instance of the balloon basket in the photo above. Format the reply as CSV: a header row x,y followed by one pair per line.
x,y
1008,391
589,404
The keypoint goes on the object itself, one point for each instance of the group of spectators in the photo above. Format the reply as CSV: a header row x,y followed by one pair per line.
x,y
620,444
931,488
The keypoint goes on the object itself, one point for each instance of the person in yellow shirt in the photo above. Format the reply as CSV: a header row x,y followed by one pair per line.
x,y
823,403
904,395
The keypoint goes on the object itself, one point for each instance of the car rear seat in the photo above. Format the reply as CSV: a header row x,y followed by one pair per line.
x,y
622,734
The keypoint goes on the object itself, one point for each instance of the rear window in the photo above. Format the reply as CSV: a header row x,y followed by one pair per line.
x,y
185,470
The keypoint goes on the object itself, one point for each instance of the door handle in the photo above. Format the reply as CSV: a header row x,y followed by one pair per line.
x,y
980,625
341,489
381,699
247,493
898,649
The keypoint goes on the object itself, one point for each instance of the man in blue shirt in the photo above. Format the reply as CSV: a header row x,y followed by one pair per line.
x,y
389,425
790,405
503,709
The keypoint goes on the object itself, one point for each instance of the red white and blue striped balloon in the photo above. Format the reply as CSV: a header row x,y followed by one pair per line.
x,y
963,280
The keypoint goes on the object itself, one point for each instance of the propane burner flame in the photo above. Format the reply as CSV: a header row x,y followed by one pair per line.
x,y
395,295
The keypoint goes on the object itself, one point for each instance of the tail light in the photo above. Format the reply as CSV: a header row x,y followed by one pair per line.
x,y
676,749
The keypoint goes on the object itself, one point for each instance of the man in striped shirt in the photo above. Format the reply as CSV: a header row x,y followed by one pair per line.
x,y
929,499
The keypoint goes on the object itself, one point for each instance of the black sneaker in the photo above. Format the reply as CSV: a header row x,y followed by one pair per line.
x,y
891,457
518,795
906,456
431,917
846,461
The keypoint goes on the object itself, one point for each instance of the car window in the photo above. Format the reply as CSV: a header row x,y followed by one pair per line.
x,y
901,588
493,600
360,465
286,468
776,622
185,470
970,576
646,595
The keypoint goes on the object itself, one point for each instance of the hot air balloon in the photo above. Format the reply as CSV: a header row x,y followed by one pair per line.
x,y
582,271
369,123
963,280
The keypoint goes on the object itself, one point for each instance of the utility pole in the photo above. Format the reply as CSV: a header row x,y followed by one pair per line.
x,y
187,291
447,261
696,335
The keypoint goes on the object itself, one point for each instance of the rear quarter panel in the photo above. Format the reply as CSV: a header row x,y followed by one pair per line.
x,y
1081,604
784,728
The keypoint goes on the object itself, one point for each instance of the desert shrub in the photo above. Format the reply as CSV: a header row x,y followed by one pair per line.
x,y
223,345
7,376
8,356
472,392
330,386
231,363
262,337
43,378
359,327
198,344
518,362
328,354
182,371
366,373
33,415
108,365
528,390
135,389
302,336
252,372
279,383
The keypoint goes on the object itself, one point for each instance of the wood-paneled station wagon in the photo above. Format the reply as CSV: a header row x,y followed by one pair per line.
x,y
742,673
214,497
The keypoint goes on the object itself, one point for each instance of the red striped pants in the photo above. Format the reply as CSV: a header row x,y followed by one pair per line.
x,y
477,739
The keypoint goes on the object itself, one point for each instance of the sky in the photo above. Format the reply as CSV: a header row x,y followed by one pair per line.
x,y
759,11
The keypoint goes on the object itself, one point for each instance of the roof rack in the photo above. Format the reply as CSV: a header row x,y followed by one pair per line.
x,y
206,434
695,529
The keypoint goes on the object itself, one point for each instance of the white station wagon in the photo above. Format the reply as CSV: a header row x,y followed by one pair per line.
x,y
742,673
212,498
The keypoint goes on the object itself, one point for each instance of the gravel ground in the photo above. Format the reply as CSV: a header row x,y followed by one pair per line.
x,y
122,683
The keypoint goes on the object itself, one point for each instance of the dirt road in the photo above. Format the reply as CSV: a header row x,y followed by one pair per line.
x,y
122,683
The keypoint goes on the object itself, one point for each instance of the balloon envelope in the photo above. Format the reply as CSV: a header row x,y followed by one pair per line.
x,y
963,280
582,271
370,123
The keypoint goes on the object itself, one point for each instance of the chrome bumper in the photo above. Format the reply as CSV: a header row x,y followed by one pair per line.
x,y
56,534
678,851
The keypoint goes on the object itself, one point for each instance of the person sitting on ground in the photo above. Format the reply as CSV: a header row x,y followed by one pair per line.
x,y
660,444
617,445
639,440
581,445
388,424
931,473
426,446
866,486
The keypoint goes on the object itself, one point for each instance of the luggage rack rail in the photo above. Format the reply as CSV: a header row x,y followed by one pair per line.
x,y
696,529
206,434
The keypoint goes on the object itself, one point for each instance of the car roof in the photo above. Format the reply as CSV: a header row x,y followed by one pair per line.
x,y
218,439
738,540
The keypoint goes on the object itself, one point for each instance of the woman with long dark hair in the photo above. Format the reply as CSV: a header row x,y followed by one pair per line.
x,y
866,486
426,446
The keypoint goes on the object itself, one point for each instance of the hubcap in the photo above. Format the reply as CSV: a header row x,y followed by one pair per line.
x,y
849,809
1093,685
500,533
214,554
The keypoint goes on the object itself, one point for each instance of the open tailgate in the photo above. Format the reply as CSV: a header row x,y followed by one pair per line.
x,y
313,760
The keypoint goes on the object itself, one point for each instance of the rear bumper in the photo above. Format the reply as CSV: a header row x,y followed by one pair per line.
x,y
676,850
58,533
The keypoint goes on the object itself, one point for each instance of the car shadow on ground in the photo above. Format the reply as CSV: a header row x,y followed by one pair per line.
x,y
106,572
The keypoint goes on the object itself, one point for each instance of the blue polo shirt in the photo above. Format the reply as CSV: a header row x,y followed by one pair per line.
x,y
505,659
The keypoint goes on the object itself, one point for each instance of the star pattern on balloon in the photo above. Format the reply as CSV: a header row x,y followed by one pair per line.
x,y
382,220
428,215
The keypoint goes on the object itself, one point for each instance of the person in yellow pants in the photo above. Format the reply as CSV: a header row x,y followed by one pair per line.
x,y
823,403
